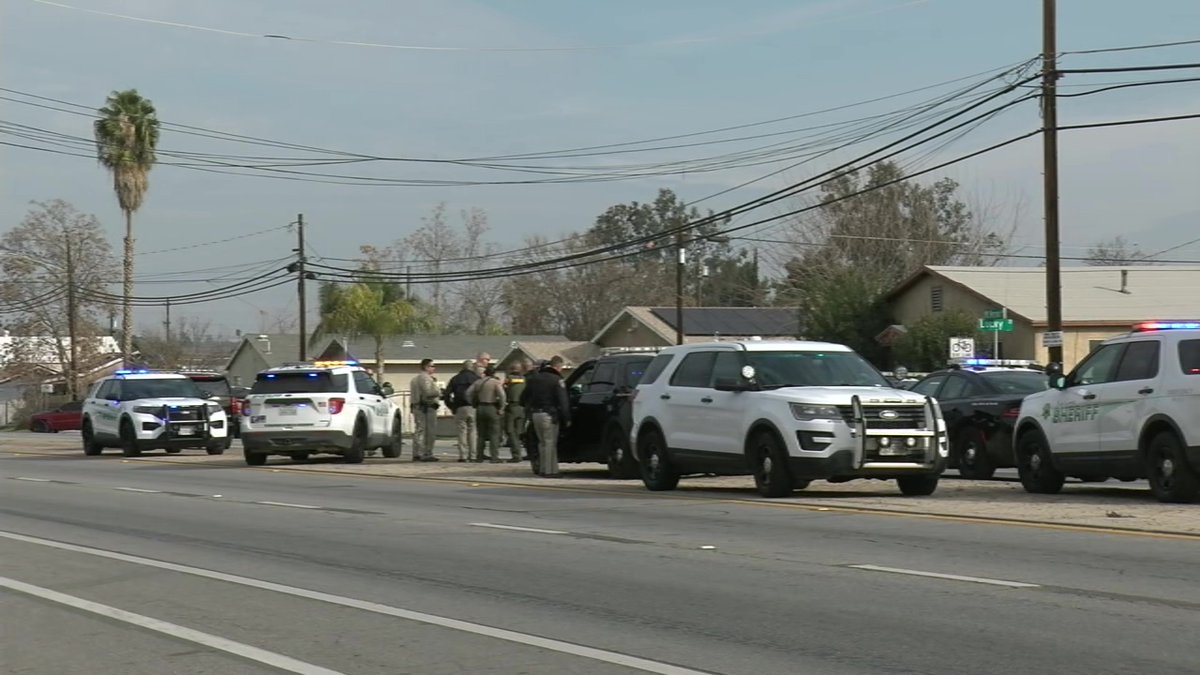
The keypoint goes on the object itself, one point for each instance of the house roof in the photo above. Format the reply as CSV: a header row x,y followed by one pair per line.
x,y
573,353
713,321
1090,295
275,349
413,348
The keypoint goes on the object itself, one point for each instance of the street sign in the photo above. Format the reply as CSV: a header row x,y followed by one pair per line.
x,y
1052,338
993,314
962,348
996,325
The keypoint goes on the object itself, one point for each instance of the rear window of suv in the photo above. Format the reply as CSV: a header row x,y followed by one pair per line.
x,y
218,386
310,382
1189,357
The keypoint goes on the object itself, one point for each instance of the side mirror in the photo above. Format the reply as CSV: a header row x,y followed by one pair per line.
x,y
1055,376
386,389
730,384
577,389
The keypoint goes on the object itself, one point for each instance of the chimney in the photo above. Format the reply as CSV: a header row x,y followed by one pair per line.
x,y
265,341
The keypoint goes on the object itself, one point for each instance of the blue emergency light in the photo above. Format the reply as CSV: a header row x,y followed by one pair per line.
x,y
1165,325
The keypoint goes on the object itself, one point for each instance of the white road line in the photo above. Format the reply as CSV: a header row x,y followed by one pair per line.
x,y
517,529
294,506
374,607
285,663
32,480
950,577
129,489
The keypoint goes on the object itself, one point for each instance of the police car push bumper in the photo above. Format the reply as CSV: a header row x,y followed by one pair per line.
x,y
177,424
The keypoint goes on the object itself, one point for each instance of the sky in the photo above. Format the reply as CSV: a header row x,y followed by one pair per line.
x,y
584,74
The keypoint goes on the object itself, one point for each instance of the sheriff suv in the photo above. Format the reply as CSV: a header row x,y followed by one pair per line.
x,y
138,410
332,407
786,412
1127,411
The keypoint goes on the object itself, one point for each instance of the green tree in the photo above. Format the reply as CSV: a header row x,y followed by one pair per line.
x,y
926,344
126,134
373,309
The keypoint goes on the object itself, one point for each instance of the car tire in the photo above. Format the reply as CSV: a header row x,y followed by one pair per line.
x,y
228,441
972,455
395,446
1035,465
40,427
918,486
769,461
300,456
129,446
254,458
1171,479
216,447
622,465
90,447
174,451
358,446
658,473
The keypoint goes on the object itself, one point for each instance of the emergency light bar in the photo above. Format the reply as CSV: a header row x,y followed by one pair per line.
x,y
132,372
1025,363
628,350
1165,325
334,364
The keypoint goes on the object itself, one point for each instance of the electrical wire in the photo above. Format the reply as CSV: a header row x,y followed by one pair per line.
x,y
1109,50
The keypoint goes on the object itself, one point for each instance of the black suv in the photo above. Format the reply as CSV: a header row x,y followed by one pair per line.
x,y
217,386
600,392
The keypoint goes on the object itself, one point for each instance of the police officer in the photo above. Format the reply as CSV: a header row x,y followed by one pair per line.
x,y
487,394
514,413
425,398
463,409
545,399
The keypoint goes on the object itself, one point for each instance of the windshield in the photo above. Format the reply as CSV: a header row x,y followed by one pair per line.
x,y
320,382
218,387
1019,382
164,388
814,369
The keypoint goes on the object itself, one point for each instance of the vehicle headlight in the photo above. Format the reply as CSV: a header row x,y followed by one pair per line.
x,y
213,408
148,409
809,411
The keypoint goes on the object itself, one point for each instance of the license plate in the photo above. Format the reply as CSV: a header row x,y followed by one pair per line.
x,y
896,449
287,410
187,431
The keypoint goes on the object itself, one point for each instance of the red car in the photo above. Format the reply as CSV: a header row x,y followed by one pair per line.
x,y
66,417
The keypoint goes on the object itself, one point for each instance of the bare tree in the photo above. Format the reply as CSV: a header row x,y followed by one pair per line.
x,y
52,266
434,243
191,344
1116,251
477,301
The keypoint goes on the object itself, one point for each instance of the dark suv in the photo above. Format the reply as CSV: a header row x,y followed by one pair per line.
x,y
600,392
217,386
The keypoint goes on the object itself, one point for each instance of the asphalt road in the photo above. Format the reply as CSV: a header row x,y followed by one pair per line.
x,y
109,566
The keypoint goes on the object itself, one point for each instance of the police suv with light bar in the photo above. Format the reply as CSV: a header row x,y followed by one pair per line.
x,y
1127,411
138,410
332,407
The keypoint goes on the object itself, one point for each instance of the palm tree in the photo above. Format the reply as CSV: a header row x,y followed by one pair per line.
x,y
378,310
126,135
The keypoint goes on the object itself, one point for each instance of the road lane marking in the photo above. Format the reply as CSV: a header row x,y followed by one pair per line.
x,y
518,529
129,489
294,506
284,663
549,644
32,480
950,577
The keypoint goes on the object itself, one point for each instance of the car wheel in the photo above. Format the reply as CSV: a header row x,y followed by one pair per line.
x,y
174,451
216,447
769,462
396,445
300,456
39,427
254,458
1171,479
658,473
917,486
228,441
90,447
358,446
973,460
129,445
1035,466
621,462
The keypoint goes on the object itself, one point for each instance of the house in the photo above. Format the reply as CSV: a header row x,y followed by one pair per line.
x,y
256,353
1097,302
655,326
573,353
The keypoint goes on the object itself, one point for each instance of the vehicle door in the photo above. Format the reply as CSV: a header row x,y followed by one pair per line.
x,y
576,384
955,399
107,409
629,374
1071,416
588,414
68,416
723,422
370,401
688,397
1127,400
930,386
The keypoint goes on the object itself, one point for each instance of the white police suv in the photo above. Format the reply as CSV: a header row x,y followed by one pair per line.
x,y
138,410
1127,411
332,407
786,412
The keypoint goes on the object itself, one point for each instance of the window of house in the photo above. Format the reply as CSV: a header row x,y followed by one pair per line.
x,y
935,299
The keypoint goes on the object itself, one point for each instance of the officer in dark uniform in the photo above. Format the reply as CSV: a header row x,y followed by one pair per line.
x,y
545,401
514,414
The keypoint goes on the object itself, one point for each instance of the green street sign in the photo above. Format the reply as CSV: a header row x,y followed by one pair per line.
x,y
996,325
993,314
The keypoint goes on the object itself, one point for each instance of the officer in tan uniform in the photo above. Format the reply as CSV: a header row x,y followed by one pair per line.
x,y
489,398
425,399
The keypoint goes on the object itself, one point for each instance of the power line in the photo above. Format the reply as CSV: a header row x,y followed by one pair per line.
x,y
1128,69
1108,50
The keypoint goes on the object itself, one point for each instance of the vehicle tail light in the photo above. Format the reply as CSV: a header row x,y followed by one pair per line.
x,y
1011,413
336,405
235,406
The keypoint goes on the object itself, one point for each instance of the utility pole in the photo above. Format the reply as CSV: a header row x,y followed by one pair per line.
x,y
680,260
73,370
1050,169
300,287
408,283
167,323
